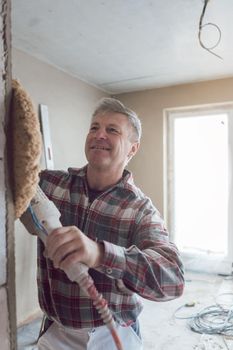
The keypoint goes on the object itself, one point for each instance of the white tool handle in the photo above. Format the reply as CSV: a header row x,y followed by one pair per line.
x,y
48,216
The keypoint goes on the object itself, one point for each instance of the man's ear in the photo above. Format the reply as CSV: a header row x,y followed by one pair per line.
x,y
134,149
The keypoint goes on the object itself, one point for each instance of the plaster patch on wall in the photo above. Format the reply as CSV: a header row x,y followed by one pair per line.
x,y
3,58
4,320
2,227
2,140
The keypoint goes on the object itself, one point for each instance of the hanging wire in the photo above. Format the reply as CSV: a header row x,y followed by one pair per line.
x,y
201,26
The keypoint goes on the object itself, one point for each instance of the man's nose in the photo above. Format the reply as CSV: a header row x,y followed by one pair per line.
x,y
101,134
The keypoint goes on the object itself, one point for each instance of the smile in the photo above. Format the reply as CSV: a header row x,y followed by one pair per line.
x,y
100,148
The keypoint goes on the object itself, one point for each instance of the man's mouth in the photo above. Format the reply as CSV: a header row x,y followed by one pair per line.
x,y
100,148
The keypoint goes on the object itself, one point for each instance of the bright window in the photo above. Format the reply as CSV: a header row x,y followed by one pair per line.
x,y
198,186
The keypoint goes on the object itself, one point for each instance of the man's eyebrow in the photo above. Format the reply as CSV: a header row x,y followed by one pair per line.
x,y
114,125
108,125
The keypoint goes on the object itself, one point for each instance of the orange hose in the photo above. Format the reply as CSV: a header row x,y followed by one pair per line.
x,y
101,304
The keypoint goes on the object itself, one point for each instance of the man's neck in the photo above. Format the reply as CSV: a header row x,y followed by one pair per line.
x,y
101,180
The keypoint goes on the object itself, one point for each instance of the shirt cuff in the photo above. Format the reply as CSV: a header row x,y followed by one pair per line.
x,y
114,261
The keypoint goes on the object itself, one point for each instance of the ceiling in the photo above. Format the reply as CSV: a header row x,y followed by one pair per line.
x,y
127,45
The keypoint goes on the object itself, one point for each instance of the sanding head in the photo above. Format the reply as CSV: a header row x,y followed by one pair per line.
x,y
26,146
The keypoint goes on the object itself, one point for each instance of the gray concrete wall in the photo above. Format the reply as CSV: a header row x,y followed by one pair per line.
x,y
7,266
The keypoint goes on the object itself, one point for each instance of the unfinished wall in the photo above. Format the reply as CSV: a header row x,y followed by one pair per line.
x,y
70,103
147,166
7,276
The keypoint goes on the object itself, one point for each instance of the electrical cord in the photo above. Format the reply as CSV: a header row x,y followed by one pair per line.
x,y
214,319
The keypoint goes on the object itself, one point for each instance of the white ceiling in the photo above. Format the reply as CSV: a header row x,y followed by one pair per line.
x,y
126,45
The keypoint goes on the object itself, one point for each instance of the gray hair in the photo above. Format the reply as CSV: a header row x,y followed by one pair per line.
x,y
113,105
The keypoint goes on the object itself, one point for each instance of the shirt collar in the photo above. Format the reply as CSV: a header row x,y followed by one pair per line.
x,y
126,181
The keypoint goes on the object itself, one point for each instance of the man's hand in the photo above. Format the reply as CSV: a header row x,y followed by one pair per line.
x,y
68,245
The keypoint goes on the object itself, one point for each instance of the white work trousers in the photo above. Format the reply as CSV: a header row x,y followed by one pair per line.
x,y
58,337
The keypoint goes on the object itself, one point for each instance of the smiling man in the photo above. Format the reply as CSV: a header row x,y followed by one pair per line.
x,y
113,228
110,144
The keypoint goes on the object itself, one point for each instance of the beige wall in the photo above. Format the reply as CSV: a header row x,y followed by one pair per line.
x,y
70,103
147,166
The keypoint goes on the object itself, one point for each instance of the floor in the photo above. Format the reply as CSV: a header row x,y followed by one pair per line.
x,y
160,329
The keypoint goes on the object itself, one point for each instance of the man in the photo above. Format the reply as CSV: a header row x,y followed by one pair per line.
x,y
113,228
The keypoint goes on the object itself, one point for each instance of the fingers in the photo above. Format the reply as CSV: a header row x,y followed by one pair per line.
x,y
60,236
57,238
68,245
73,258
62,242
63,252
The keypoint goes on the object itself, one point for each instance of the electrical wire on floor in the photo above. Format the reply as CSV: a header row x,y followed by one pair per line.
x,y
215,319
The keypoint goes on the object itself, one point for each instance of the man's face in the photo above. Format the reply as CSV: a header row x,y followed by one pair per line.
x,y
109,142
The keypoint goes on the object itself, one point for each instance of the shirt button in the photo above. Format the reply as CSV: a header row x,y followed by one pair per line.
x,y
109,271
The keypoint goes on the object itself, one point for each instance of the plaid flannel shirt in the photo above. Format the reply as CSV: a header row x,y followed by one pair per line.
x,y
138,261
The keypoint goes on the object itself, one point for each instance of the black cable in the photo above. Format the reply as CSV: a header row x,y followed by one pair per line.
x,y
201,26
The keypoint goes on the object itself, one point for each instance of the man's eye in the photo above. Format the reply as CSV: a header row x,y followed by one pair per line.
x,y
93,128
113,130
